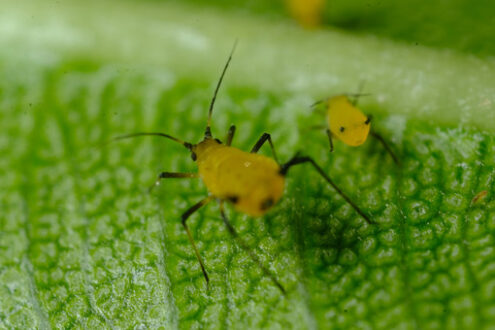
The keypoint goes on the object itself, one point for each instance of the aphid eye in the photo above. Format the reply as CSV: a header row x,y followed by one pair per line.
x,y
266,204
233,199
218,141
193,156
342,128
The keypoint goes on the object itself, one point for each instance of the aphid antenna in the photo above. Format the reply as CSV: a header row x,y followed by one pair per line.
x,y
359,93
210,110
312,106
133,135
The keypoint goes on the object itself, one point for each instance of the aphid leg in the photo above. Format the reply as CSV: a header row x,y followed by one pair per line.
x,y
261,141
166,175
185,216
329,134
304,159
246,248
230,135
385,145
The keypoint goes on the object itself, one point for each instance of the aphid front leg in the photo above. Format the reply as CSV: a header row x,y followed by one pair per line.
x,y
329,134
315,106
246,248
385,145
297,159
166,175
184,217
261,141
230,135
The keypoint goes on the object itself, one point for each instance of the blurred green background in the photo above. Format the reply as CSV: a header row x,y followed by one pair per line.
x,y
83,245
461,25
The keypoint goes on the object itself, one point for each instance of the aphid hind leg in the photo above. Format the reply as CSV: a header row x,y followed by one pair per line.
x,y
261,141
329,134
230,135
297,159
166,175
246,248
184,217
385,145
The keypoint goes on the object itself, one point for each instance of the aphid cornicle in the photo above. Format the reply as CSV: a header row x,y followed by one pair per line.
x,y
252,183
347,123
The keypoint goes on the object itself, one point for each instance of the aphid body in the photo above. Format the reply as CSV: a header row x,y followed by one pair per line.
x,y
251,182
307,12
346,121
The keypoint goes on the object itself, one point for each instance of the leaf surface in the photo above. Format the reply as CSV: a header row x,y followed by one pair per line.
x,y
82,243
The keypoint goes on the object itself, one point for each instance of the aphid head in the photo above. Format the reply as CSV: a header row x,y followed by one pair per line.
x,y
200,149
347,123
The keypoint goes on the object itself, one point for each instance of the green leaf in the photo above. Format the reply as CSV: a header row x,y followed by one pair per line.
x,y
82,243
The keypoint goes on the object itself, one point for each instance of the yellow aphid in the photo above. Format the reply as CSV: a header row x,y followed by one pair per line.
x,y
252,183
307,12
346,122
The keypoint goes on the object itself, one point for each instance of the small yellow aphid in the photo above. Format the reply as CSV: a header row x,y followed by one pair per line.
x,y
347,123
479,197
307,12
252,183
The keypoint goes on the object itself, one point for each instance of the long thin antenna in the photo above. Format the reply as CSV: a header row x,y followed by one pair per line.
x,y
359,93
210,111
128,136
312,106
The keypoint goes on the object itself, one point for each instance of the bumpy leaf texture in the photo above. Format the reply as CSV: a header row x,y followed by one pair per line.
x,y
83,244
